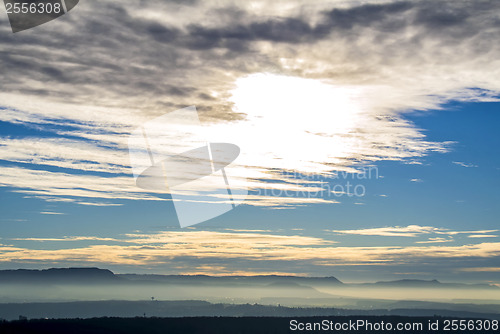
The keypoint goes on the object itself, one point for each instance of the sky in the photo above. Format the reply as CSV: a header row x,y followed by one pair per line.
x,y
367,136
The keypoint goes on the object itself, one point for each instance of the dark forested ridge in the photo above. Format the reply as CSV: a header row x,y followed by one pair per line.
x,y
222,325
193,308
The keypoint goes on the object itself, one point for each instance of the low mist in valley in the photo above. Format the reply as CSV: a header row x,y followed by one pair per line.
x,y
92,284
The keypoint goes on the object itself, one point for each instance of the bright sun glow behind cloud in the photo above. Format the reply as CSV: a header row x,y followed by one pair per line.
x,y
292,124
297,122
304,126
311,126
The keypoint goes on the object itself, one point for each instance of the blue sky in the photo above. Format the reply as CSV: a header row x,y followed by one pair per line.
x,y
399,102
453,191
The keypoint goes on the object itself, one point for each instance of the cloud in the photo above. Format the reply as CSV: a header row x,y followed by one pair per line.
x,y
64,153
129,62
470,232
396,231
434,240
416,180
43,184
481,269
225,251
414,231
77,238
463,164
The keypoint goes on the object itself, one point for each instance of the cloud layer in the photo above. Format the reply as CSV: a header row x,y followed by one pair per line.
x,y
88,79
229,251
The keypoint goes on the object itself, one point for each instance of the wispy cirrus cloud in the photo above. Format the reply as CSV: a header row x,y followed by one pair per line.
x,y
481,269
412,231
42,183
74,238
51,213
395,231
64,153
463,164
434,240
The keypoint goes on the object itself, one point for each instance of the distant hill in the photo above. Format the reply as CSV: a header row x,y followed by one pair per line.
x,y
105,274
238,280
58,275
96,275
102,276
415,283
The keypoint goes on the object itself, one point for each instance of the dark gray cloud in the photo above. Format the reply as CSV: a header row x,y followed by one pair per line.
x,y
369,15
107,46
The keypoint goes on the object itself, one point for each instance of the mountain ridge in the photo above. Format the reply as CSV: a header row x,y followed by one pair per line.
x,y
96,275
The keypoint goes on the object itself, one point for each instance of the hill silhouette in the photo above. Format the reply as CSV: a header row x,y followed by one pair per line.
x,y
97,275
428,284
58,275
